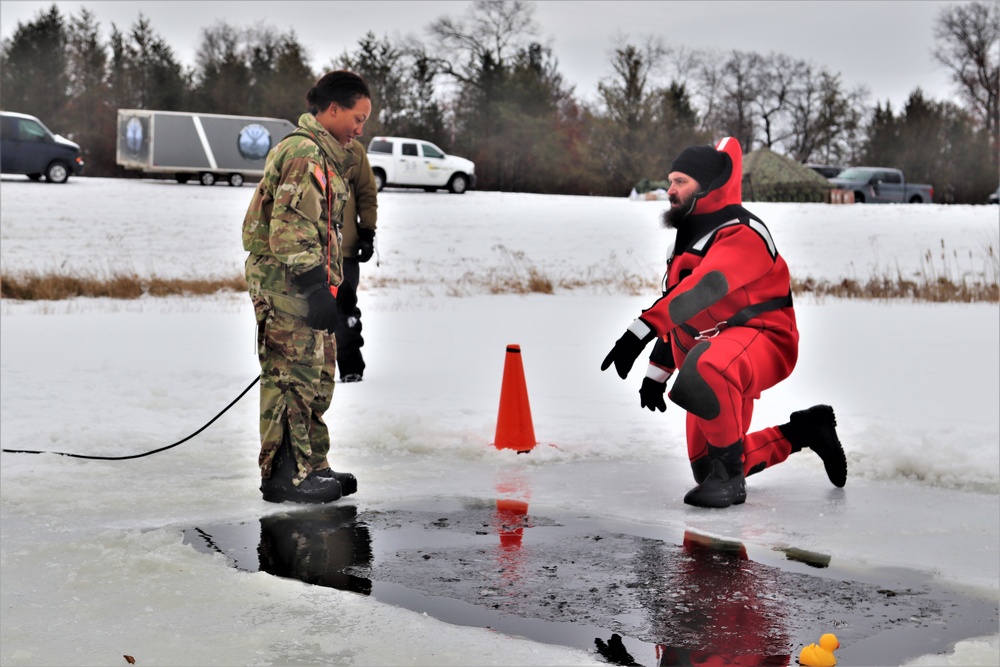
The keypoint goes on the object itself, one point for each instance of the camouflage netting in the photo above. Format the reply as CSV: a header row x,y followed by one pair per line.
x,y
768,176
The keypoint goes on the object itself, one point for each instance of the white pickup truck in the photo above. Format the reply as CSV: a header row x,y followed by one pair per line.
x,y
414,163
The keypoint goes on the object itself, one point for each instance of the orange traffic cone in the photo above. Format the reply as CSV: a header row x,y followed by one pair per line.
x,y
514,427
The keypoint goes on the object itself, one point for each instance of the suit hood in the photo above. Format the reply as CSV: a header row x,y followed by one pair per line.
x,y
726,189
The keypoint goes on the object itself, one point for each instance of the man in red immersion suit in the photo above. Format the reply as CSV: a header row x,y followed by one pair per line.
x,y
725,320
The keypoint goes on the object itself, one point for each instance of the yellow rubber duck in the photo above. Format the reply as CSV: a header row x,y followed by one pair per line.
x,y
822,655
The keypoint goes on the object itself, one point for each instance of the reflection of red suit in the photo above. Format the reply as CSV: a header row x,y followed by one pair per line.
x,y
735,624
725,277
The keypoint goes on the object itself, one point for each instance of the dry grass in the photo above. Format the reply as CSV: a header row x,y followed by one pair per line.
x,y
31,286
944,277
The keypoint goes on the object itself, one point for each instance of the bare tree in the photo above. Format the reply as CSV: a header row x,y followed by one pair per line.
x,y
490,35
741,80
825,120
968,37
630,104
777,76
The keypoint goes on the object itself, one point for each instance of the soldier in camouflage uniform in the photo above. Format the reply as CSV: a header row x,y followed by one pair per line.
x,y
291,232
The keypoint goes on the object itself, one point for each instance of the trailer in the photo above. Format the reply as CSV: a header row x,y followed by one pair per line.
x,y
209,147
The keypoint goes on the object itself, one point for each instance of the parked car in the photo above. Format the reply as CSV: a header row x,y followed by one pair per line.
x,y
28,147
414,163
882,185
825,170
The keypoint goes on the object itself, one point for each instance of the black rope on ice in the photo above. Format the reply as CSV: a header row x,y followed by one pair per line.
x,y
136,456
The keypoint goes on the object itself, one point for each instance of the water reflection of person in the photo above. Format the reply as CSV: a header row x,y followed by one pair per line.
x,y
317,547
718,603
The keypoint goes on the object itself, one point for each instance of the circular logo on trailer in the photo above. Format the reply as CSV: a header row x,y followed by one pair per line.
x,y
134,135
255,142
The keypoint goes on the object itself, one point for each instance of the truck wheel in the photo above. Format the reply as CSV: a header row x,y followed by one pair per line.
x,y
236,180
916,199
183,178
207,178
458,184
57,173
379,179
859,198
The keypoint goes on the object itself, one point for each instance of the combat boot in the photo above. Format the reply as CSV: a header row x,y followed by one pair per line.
x,y
279,487
815,428
724,485
348,482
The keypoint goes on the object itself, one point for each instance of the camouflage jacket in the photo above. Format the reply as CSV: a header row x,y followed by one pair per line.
x,y
292,223
361,209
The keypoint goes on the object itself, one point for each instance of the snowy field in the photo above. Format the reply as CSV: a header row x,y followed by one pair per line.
x,y
93,563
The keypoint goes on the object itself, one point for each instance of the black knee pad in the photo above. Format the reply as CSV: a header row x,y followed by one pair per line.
x,y
690,391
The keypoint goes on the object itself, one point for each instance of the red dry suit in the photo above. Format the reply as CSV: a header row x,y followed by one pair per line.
x,y
725,320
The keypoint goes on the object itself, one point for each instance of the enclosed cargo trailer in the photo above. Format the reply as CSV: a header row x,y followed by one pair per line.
x,y
209,147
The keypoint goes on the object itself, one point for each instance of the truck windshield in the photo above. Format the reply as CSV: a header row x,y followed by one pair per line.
x,y
856,174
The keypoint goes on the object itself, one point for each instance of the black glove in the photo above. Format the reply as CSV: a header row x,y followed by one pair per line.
x,y
628,348
654,385
614,651
651,394
322,304
366,244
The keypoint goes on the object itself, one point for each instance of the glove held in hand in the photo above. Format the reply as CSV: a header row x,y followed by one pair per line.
x,y
322,304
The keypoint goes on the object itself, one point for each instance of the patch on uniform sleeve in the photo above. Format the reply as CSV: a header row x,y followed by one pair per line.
x,y
320,175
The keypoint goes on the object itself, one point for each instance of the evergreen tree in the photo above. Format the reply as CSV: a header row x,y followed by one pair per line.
x,y
144,73
222,71
89,109
383,67
33,75
280,75
936,143
425,117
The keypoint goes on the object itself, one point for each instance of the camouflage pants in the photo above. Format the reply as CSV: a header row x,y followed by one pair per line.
x,y
297,366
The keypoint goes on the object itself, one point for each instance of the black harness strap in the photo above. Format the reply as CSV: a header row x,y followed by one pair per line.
x,y
740,318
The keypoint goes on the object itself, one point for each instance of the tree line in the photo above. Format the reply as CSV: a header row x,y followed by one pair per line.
x,y
482,86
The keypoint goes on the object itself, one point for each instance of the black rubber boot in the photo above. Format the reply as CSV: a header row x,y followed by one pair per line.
x,y
278,488
725,484
700,468
816,428
348,482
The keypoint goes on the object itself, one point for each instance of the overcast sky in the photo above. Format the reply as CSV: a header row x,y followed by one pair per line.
x,y
882,45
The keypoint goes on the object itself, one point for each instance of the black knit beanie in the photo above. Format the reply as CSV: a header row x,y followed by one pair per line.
x,y
702,163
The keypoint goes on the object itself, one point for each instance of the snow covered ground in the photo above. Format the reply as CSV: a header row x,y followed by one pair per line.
x,y
93,564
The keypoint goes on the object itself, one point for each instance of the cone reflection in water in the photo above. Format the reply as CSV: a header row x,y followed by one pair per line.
x,y
511,515
514,427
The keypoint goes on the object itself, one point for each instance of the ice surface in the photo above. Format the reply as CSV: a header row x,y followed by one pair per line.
x,y
93,564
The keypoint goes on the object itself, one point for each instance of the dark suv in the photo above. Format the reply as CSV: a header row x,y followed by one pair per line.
x,y
28,147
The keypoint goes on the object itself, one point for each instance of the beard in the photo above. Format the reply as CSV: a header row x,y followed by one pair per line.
x,y
679,209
